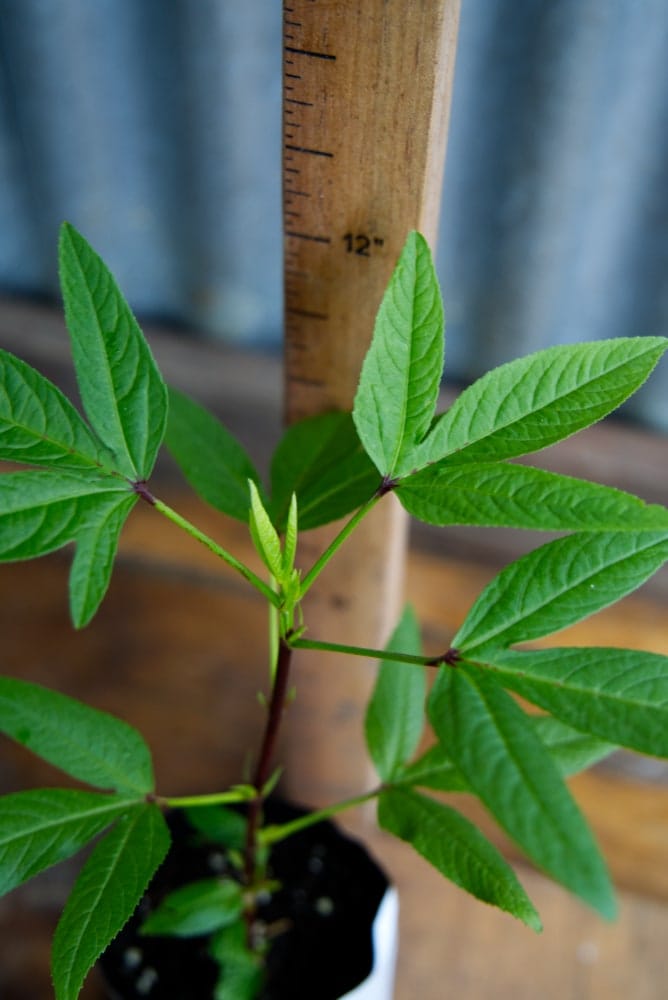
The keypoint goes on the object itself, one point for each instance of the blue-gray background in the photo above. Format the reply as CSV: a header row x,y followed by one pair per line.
x,y
154,126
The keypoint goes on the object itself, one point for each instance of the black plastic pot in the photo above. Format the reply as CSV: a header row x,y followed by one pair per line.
x,y
330,895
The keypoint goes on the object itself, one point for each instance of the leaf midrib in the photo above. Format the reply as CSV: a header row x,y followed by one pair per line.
x,y
600,693
100,890
107,373
512,390
115,805
84,751
65,448
412,353
543,802
510,624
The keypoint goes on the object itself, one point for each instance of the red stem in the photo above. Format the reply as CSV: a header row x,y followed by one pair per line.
x,y
269,740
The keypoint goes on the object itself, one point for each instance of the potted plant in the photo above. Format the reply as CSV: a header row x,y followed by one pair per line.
x,y
82,476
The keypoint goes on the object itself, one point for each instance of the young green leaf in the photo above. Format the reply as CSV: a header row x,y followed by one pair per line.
x,y
122,390
321,459
620,695
528,404
395,714
457,849
41,828
505,764
291,537
266,541
559,584
105,895
39,425
519,496
86,743
212,460
401,374
197,908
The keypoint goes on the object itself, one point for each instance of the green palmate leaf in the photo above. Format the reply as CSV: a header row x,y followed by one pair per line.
x,y
559,584
395,714
39,425
88,744
494,745
121,388
41,828
457,849
621,695
197,908
105,895
531,403
518,496
212,460
572,751
400,378
265,539
321,459
42,511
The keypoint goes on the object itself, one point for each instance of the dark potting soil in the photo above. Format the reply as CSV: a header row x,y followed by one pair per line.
x,y
330,893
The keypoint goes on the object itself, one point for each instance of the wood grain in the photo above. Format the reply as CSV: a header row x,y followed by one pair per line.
x,y
366,104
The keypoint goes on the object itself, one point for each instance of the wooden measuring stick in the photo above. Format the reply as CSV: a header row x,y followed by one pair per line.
x,y
366,99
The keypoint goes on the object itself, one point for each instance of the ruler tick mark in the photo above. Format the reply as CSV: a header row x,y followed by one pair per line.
x,y
308,236
312,152
310,53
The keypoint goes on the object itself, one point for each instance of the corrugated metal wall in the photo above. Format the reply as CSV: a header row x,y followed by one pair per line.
x,y
154,126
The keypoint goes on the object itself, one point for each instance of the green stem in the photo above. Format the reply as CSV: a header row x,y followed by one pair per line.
x,y
373,654
274,638
219,551
336,543
213,799
272,834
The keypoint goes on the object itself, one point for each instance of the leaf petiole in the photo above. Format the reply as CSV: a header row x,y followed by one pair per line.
x,y
239,793
219,551
273,834
336,543
373,654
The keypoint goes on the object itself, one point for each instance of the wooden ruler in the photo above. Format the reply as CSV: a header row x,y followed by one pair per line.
x,y
366,97
365,114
